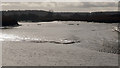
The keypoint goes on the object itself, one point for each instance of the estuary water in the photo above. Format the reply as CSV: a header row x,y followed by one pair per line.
x,y
98,37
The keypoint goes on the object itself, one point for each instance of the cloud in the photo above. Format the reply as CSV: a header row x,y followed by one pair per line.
x,y
61,6
59,0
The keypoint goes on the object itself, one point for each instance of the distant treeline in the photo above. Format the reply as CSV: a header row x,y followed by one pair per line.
x,y
40,15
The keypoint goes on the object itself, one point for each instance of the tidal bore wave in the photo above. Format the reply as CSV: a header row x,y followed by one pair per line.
x,y
6,37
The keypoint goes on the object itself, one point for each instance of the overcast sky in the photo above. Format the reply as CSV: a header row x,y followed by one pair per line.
x,y
61,6
60,0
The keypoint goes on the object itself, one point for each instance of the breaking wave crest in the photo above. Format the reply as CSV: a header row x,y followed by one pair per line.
x,y
6,37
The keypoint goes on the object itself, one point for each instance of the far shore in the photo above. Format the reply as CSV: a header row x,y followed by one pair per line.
x,y
11,18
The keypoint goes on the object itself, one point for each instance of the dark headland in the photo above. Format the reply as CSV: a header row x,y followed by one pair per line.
x,y
8,21
11,18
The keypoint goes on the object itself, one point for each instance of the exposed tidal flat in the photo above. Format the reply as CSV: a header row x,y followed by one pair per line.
x,y
60,44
